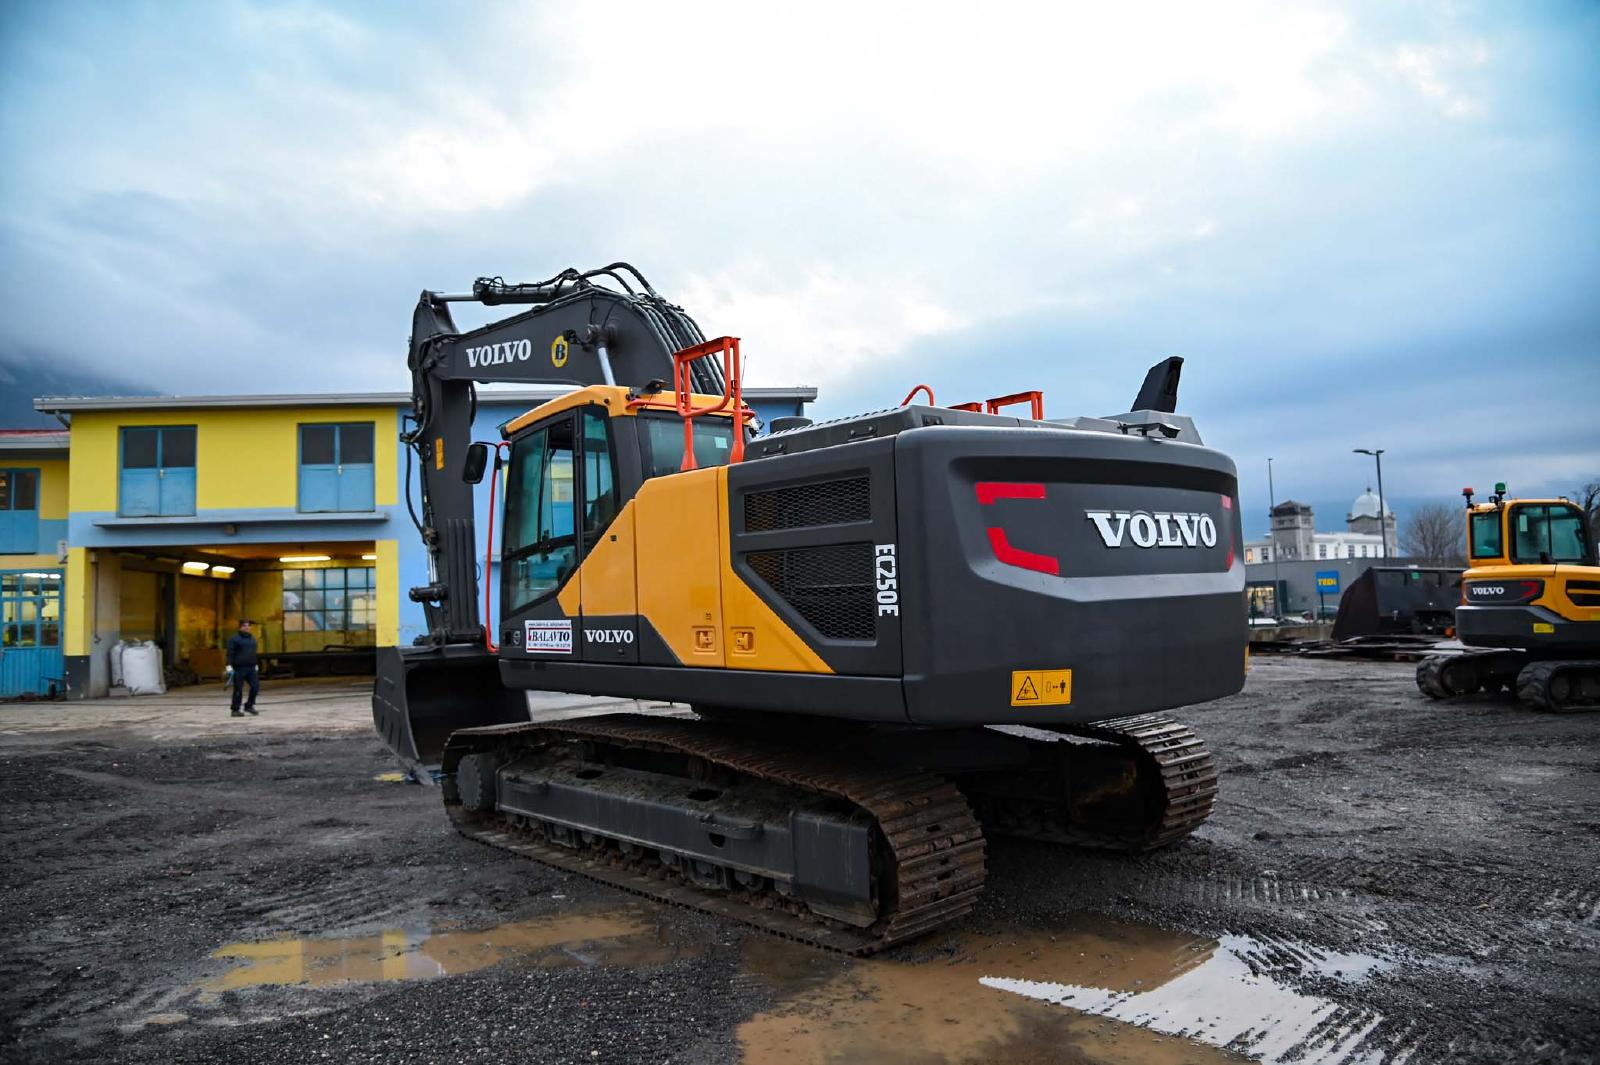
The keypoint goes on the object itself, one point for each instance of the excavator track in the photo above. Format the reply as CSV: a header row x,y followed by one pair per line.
x,y
1562,687
1153,783
1453,676
930,847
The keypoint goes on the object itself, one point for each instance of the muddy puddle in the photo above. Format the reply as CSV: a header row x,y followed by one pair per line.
x,y
1136,994
1089,990
626,938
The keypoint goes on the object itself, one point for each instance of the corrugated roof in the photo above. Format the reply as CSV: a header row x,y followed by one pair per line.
x,y
35,439
68,404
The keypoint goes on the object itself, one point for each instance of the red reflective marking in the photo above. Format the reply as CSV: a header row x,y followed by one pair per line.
x,y
1233,544
1014,556
989,491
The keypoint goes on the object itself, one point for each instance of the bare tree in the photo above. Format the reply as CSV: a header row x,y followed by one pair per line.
x,y
1436,532
1588,497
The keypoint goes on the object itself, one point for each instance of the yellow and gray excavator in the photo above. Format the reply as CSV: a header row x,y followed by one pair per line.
x,y
898,632
1530,607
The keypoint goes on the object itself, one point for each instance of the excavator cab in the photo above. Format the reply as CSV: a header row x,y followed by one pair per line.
x,y
1533,578
567,470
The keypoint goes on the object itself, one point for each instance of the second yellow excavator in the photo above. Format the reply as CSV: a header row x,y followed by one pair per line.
x,y
1530,607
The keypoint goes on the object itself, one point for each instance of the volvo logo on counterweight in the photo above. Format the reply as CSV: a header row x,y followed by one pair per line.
x,y
1159,528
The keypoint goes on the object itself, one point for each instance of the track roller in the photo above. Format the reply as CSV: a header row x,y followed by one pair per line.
x,y
1562,687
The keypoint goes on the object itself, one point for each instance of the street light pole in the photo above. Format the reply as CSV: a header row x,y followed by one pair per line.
x,y
1277,581
1383,513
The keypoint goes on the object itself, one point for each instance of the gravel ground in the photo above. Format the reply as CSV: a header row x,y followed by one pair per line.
x,y
1384,879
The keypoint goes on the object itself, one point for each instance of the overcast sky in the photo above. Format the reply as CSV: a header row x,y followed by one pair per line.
x,y
1363,225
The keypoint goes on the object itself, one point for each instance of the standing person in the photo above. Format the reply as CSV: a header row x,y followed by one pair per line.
x,y
243,660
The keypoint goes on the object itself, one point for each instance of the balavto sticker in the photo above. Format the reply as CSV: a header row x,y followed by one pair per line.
x,y
552,637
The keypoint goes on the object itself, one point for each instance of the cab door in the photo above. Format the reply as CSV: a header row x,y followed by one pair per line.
x,y
608,577
539,556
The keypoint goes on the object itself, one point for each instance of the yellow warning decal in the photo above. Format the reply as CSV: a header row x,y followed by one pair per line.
x,y
1041,687
1543,627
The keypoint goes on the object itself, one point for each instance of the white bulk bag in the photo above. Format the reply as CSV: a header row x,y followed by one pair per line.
x,y
141,668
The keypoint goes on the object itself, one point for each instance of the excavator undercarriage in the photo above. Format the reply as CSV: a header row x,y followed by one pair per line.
x,y
846,852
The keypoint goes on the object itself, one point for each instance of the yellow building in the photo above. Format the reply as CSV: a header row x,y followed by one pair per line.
x,y
185,514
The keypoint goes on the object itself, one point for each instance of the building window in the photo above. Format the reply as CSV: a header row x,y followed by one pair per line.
x,y
1322,550
1266,554
157,478
1249,554
30,610
336,471
328,606
19,511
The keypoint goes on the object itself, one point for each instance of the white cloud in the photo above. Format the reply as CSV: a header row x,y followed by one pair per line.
x,y
1436,72
837,183
817,327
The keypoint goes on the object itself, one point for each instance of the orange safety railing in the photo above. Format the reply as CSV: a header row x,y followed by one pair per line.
x,y
1034,397
732,394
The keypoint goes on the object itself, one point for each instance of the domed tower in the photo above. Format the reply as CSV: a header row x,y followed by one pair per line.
x,y
1363,517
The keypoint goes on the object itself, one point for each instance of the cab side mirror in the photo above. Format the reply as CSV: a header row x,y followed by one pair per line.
x,y
477,460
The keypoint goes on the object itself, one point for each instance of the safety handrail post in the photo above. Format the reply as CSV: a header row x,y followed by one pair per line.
x,y
1033,397
732,394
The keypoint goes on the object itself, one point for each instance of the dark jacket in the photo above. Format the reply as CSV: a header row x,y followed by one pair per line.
x,y
241,650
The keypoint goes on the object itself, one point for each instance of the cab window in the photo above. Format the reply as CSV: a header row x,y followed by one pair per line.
x,y
599,481
540,549
1548,533
1486,541
661,439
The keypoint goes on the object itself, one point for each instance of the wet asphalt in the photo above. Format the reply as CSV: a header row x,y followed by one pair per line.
x,y
1384,879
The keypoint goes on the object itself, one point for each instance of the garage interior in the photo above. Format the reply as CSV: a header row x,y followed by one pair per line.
x,y
313,605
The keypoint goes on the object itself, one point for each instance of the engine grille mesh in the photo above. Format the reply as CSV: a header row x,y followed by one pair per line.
x,y
832,587
818,503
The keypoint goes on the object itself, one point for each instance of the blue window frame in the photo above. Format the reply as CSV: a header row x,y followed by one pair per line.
x,y
336,467
19,511
338,603
157,477
30,633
